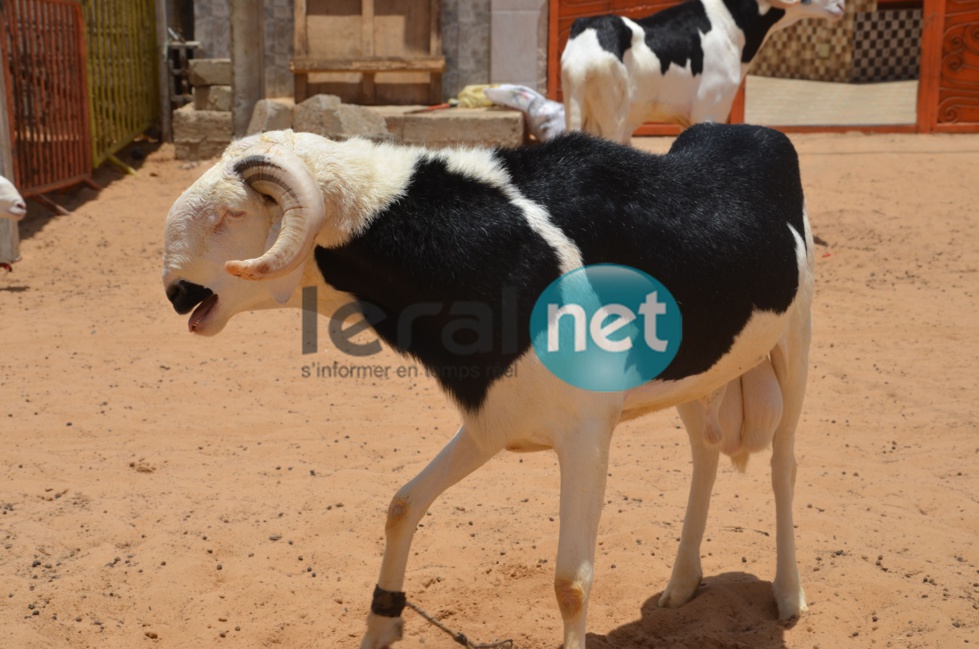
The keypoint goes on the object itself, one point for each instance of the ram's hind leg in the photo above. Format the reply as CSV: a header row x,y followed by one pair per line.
x,y
790,358
607,101
458,459
687,571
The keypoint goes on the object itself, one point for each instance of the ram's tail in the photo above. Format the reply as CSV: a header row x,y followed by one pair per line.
x,y
573,87
596,91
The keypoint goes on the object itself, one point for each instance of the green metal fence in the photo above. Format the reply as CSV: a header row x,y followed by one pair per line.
x,y
122,77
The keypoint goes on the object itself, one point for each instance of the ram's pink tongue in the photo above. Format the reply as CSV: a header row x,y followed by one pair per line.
x,y
200,313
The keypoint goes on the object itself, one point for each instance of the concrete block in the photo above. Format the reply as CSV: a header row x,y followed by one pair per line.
x,y
212,98
464,126
192,125
326,116
318,104
202,133
210,72
271,115
394,117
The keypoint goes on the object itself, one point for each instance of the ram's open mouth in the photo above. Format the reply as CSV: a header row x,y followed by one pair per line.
x,y
200,314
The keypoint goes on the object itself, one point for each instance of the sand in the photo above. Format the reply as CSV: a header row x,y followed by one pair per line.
x,y
158,489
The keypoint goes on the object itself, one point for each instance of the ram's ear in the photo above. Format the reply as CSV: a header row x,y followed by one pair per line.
x,y
283,287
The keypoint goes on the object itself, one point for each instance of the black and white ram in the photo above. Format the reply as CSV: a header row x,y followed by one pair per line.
x,y
683,64
720,220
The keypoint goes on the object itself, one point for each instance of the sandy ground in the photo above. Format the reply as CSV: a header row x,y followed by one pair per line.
x,y
162,490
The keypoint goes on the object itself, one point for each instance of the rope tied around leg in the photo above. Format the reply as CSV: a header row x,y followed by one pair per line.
x,y
459,637
389,603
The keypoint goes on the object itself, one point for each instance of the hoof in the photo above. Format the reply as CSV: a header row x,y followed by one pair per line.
x,y
679,591
382,632
791,605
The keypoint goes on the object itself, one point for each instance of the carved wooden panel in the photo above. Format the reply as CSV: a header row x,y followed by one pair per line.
x,y
958,88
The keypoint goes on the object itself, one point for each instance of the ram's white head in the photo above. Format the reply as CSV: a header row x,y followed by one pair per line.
x,y
799,9
239,238
12,206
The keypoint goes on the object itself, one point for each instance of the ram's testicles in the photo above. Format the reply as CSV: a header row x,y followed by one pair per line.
x,y
762,397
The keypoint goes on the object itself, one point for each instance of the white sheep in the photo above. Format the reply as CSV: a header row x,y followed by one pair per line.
x,y
425,241
683,64
12,206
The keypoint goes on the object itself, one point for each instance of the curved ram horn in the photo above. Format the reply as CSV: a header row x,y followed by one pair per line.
x,y
283,176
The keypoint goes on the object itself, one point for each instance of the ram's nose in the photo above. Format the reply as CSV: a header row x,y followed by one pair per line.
x,y
186,295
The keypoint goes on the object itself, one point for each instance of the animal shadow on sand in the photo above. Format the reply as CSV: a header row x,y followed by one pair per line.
x,y
733,610
77,195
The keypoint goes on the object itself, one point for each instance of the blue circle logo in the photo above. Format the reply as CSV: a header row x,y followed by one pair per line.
x,y
606,327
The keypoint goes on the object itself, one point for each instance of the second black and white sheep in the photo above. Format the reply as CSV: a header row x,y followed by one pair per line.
x,y
682,64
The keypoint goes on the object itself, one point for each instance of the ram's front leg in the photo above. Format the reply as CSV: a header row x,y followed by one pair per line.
x,y
458,459
583,461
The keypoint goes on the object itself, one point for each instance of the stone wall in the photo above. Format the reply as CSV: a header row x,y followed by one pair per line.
x,y
466,44
278,48
212,27
518,31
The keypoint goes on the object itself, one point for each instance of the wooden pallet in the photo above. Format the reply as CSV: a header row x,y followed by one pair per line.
x,y
369,51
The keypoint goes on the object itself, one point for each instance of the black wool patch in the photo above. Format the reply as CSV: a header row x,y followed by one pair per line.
x,y
453,269
709,220
674,35
614,35
748,18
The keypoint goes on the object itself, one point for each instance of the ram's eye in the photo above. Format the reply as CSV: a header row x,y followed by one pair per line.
x,y
235,214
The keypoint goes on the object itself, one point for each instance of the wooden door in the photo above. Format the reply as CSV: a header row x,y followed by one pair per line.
x,y
948,95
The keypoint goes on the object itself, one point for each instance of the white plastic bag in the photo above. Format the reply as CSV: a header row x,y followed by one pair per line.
x,y
544,117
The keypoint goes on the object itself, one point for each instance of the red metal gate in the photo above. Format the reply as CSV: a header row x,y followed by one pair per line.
x,y
43,49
